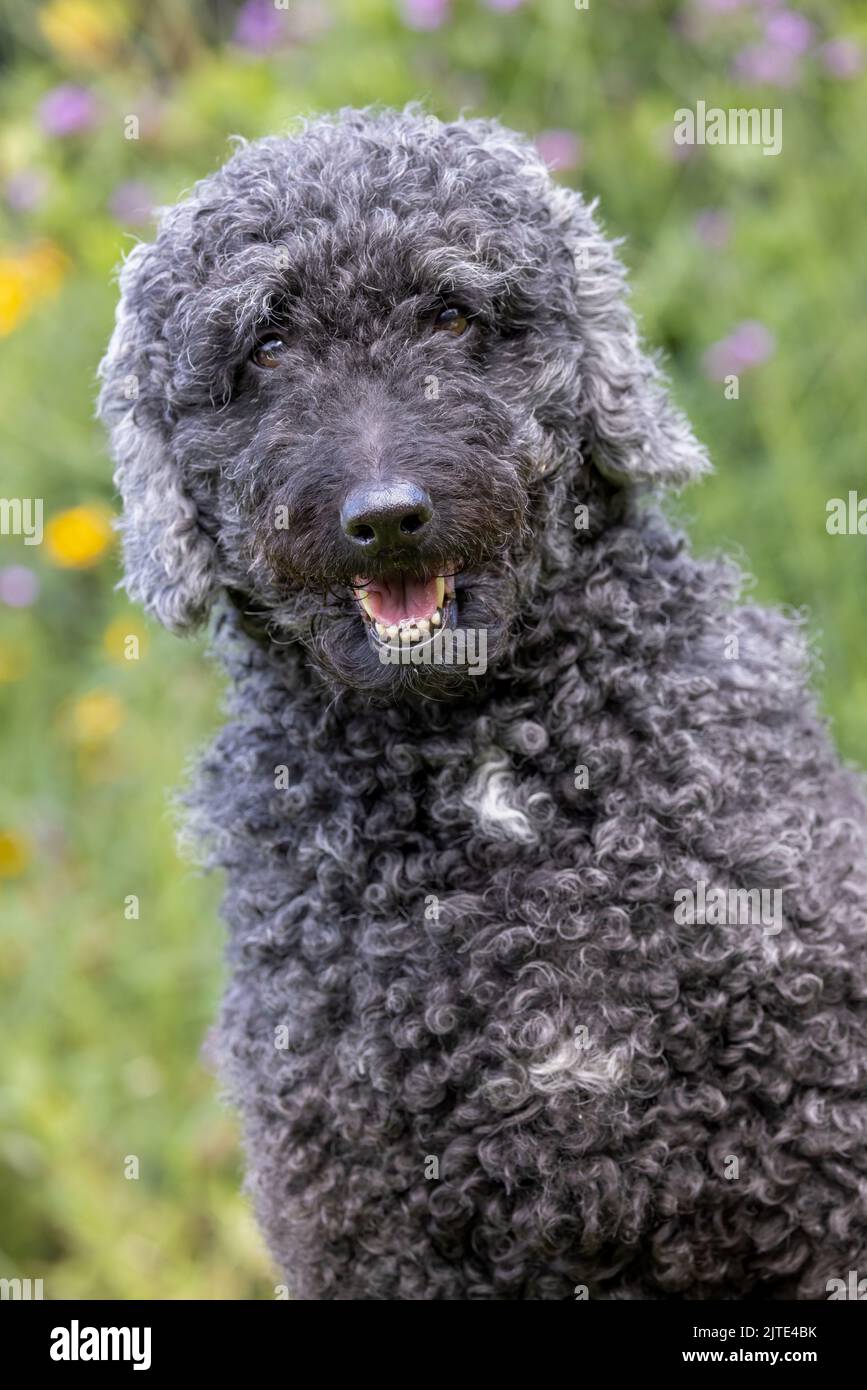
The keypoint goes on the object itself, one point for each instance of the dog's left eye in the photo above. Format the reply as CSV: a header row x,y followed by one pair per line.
x,y
267,354
452,321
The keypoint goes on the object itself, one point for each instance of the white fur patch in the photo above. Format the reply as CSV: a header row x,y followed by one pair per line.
x,y
490,796
571,1066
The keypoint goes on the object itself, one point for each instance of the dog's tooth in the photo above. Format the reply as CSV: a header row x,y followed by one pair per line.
x,y
381,629
391,631
423,627
405,632
441,589
436,618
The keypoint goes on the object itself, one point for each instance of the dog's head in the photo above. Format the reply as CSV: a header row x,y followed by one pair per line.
x,y
355,377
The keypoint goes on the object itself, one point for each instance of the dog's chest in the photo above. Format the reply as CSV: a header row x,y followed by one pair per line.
x,y
428,945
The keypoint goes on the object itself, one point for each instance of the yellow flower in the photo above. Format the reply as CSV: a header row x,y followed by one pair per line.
x,y
80,30
95,717
14,854
26,276
124,640
13,294
79,537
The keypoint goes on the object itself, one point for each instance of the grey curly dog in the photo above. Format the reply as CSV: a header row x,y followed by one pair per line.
x,y
546,890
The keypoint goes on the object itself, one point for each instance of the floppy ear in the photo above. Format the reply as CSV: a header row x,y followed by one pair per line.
x,y
170,562
634,432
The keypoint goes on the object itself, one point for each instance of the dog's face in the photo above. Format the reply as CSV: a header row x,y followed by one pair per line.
x,y
342,381
375,453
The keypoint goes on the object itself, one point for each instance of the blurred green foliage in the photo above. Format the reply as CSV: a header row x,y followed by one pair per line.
x,y
104,1013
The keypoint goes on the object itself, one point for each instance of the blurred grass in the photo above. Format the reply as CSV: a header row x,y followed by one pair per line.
x,y
104,1016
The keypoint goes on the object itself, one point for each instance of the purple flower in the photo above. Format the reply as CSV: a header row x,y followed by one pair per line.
x,y
713,228
789,31
560,149
842,57
259,26
19,586
773,66
25,189
131,203
68,110
425,14
748,346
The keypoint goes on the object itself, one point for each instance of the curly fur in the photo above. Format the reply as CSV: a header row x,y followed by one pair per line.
x,y
475,957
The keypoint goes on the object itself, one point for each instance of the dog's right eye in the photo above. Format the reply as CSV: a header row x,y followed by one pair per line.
x,y
267,354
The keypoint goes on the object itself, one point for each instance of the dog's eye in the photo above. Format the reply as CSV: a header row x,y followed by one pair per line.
x,y
267,354
452,321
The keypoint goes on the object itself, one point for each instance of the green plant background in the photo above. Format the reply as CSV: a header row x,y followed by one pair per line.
x,y
103,1017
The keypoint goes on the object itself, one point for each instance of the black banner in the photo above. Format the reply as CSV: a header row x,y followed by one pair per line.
x,y
74,1339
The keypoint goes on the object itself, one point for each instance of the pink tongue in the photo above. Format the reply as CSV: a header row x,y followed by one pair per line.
x,y
395,600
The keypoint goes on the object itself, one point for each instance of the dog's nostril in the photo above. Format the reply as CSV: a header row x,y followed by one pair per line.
x,y
385,514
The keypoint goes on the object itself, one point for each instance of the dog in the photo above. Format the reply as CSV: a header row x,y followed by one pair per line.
x,y
545,888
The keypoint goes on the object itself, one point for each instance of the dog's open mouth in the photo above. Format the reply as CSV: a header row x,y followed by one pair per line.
x,y
404,609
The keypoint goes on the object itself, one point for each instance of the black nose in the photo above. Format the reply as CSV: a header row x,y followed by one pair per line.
x,y
376,516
